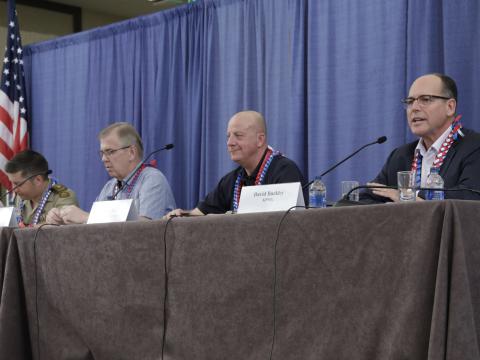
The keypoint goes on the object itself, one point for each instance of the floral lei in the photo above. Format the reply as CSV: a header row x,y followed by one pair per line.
x,y
442,153
40,207
130,184
267,160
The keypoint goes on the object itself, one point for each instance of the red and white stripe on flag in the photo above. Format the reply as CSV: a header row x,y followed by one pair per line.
x,y
13,112
13,133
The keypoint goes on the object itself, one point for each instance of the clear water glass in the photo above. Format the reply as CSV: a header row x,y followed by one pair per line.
x,y
406,185
349,185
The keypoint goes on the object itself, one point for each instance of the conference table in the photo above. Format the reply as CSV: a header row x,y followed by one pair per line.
x,y
389,281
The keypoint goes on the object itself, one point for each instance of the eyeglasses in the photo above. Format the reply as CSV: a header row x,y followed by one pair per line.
x,y
16,185
423,100
110,152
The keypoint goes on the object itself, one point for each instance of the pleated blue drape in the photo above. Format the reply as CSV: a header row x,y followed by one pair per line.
x,y
327,74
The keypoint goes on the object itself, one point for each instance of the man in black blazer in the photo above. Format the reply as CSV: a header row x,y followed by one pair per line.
x,y
443,143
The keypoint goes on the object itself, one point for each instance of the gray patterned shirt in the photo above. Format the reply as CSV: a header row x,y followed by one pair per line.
x,y
151,192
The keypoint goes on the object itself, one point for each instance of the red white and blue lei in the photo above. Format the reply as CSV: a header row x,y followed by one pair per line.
x,y
130,184
442,153
267,160
40,207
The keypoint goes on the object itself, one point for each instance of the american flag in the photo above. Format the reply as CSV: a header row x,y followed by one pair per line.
x,y
13,112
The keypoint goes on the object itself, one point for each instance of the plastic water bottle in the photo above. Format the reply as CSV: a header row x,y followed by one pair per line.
x,y
317,194
434,180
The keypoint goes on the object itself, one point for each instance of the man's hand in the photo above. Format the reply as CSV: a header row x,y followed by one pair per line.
x,y
54,217
392,194
383,191
181,212
72,214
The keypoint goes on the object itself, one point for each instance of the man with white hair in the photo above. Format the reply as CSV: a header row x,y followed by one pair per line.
x,y
121,150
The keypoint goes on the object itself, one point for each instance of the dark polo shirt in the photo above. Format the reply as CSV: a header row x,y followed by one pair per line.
x,y
281,170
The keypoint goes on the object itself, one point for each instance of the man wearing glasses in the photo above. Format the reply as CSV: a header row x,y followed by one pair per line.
x,y
35,193
121,151
444,143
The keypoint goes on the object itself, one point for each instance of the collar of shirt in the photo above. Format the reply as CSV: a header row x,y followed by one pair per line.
x,y
250,180
435,146
428,156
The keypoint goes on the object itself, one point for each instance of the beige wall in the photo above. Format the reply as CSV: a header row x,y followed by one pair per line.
x,y
91,19
39,24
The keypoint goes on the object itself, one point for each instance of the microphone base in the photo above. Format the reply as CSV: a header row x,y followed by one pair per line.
x,y
347,202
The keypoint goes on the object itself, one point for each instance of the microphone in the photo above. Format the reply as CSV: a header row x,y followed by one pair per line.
x,y
23,182
347,195
120,189
474,191
380,140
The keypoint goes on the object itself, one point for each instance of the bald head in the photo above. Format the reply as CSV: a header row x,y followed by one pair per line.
x,y
251,119
449,87
247,139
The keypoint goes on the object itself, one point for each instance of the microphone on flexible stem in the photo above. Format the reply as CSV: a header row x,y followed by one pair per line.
x,y
345,198
126,182
474,191
24,181
380,140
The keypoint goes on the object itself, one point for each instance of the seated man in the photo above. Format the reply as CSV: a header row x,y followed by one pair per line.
x,y
121,150
35,193
259,165
443,143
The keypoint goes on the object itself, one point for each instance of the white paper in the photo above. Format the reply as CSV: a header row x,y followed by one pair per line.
x,y
112,211
7,217
273,197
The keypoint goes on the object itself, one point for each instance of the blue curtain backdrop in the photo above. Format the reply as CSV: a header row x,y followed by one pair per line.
x,y
327,74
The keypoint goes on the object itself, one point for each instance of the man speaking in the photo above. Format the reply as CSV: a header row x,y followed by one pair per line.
x,y
431,105
121,151
259,165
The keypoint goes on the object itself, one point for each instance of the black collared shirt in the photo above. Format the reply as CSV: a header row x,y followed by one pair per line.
x,y
281,170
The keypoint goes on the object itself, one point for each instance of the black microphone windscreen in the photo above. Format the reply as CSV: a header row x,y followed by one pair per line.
x,y
169,146
381,139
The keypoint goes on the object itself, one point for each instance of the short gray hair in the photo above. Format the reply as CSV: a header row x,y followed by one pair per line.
x,y
126,133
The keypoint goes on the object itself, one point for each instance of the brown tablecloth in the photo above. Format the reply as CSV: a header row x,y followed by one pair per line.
x,y
14,337
369,282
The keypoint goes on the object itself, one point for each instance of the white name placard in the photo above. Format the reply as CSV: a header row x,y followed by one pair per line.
x,y
273,197
7,217
112,211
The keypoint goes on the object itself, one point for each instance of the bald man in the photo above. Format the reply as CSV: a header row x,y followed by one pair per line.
x,y
443,143
259,165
